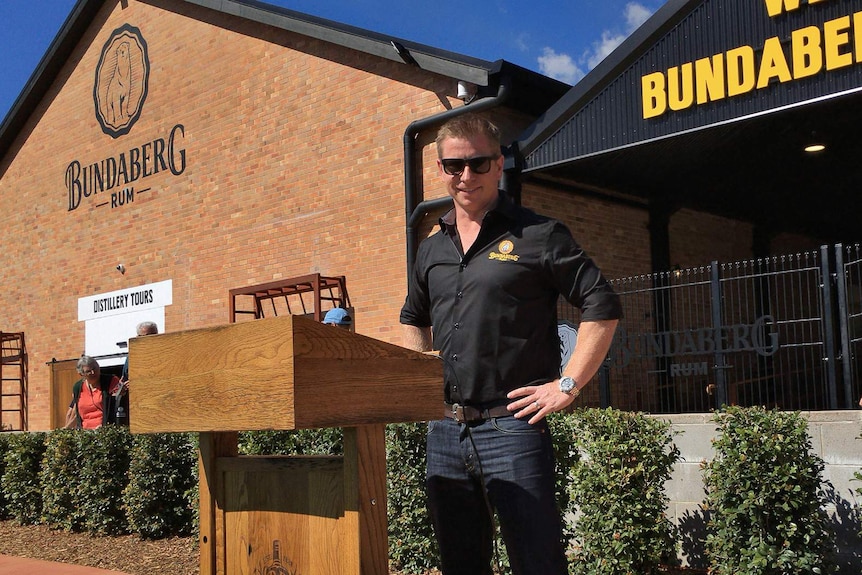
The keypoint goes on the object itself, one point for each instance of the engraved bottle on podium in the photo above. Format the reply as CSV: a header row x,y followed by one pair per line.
x,y
276,568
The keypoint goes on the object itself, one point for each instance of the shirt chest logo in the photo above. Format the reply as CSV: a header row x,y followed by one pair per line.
x,y
505,254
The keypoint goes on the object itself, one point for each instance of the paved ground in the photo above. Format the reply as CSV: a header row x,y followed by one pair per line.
x,y
21,566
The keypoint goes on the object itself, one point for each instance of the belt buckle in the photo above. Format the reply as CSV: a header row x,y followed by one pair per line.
x,y
458,413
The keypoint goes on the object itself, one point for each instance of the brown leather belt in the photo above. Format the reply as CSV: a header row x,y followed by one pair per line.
x,y
468,413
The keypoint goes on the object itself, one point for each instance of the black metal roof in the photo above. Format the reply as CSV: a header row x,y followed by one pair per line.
x,y
739,157
532,92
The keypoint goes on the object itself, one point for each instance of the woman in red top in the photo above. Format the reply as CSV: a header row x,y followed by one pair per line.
x,y
94,397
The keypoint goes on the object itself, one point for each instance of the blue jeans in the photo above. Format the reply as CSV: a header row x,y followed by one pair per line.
x,y
512,463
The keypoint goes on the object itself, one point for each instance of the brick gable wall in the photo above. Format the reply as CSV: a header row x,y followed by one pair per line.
x,y
293,164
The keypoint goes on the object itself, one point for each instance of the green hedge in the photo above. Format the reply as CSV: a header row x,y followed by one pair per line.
x,y
300,442
618,484
62,483
104,474
765,497
857,510
161,496
21,485
763,502
79,481
4,448
412,546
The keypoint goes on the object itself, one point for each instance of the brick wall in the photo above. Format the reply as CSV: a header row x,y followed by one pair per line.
x,y
615,235
294,165
698,238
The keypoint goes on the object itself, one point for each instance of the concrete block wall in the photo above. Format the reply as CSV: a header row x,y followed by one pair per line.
x,y
835,438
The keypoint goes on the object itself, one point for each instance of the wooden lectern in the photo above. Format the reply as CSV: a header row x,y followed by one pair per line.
x,y
303,515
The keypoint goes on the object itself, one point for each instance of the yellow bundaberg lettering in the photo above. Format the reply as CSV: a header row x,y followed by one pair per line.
x,y
807,52
811,50
857,35
773,63
740,70
776,7
653,95
680,84
709,75
836,35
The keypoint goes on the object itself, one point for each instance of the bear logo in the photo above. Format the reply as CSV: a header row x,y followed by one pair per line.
x,y
121,82
119,87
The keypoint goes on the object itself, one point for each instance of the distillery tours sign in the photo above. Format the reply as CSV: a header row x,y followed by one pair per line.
x,y
111,318
825,46
120,89
137,299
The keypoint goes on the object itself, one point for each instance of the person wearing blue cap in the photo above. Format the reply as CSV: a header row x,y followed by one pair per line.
x,y
338,316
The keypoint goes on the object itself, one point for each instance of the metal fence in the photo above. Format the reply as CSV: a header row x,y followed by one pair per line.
x,y
782,331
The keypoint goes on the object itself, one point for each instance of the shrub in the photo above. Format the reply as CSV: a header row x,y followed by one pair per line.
x,y
160,498
327,441
4,447
412,545
23,460
61,483
563,426
857,476
764,497
104,475
618,486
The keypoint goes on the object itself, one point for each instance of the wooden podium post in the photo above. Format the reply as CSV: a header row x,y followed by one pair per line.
x,y
302,514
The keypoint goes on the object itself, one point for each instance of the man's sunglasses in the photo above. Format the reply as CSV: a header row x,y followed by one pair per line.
x,y
478,165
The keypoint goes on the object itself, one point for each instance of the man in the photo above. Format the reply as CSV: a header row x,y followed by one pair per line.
x,y
338,316
488,283
142,329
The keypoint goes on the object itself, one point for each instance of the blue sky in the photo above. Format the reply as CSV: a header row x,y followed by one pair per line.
x,y
563,39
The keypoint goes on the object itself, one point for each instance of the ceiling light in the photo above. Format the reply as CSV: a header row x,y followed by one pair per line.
x,y
812,148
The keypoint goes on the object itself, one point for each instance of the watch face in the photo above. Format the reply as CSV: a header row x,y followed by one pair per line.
x,y
567,384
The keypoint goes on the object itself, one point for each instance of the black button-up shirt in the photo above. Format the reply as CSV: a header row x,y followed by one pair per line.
x,y
493,310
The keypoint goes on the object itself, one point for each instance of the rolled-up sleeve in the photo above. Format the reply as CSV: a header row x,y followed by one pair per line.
x,y
579,279
416,310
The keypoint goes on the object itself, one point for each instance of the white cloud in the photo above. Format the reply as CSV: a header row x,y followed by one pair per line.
x,y
563,67
559,66
636,15
602,48
522,41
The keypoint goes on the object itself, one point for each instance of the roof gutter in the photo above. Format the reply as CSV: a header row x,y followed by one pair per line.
x,y
415,205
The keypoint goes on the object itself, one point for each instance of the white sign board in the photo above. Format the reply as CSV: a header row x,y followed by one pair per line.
x,y
110,319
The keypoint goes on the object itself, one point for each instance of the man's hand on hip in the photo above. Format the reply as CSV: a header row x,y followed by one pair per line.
x,y
537,401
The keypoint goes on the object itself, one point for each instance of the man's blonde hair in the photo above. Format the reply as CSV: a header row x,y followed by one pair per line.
x,y
467,126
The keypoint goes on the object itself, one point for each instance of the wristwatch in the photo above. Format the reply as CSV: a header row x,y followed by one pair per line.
x,y
569,386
